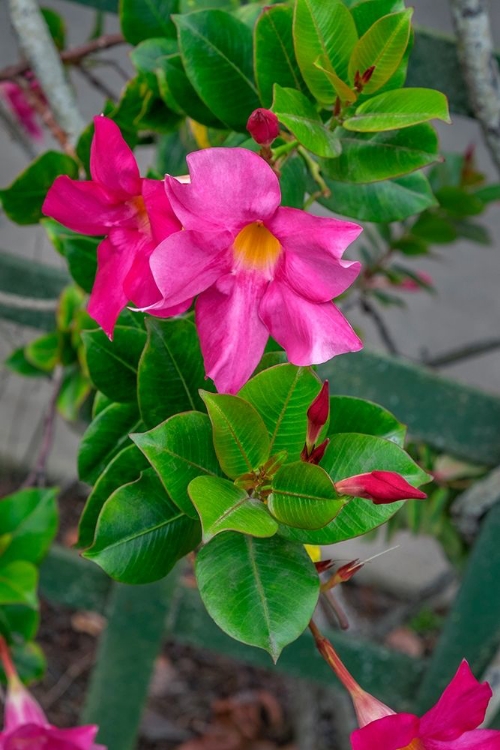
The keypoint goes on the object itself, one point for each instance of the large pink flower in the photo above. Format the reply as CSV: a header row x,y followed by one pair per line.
x,y
132,211
258,268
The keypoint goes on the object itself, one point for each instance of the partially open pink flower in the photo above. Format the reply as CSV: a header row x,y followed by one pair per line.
x,y
132,211
258,269
381,487
21,107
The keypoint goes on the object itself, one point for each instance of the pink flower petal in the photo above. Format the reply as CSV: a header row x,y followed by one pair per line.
x,y
50,738
161,216
390,733
232,335
22,109
86,207
480,739
187,263
21,708
460,709
108,297
166,311
112,163
381,487
318,277
299,230
230,187
310,333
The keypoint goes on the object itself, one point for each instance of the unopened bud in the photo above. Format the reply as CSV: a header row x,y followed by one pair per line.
x,y
367,75
317,415
382,487
263,126
315,455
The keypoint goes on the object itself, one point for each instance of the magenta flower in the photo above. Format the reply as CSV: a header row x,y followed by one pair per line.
x,y
132,211
381,487
263,126
258,269
21,107
26,726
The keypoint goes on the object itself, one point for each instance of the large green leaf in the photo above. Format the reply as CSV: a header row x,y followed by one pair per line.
x,y
106,436
28,523
179,450
301,117
303,496
22,200
350,414
323,28
381,47
293,182
113,364
18,584
79,251
399,108
141,533
391,200
370,157
350,454
19,622
282,396
149,54
224,507
368,12
274,54
240,436
43,352
143,19
178,93
270,589
217,54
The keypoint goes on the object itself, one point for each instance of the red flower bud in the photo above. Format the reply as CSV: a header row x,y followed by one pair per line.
x,y
367,74
317,415
381,487
263,126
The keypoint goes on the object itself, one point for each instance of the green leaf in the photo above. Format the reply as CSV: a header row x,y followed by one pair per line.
x,y
149,54
370,157
29,518
474,232
18,363
459,202
240,436
125,467
385,202
43,353
399,108
172,355
323,29
217,54
258,604
350,454
344,92
18,622
75,389
293,182
79,251
350,414
113,364
179,450
368,12
105,437
224,507
383,47
282,395
435,229
488,193
303,496
56,26
178,92
141,533
30,661
300,116
18,584
22,200
274,54
143,19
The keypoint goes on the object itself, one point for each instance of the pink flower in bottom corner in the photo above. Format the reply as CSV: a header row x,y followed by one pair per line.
x,y
26,726
132,211
259,269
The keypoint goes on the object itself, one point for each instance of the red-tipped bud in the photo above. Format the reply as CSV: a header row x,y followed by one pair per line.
x,y
323,565
315,455
346,572
317,415
367,75
263,126
382,487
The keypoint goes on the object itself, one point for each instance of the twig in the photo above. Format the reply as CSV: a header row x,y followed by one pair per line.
x,y
67,679
41,107
96,82
386,337
37,474
16,133
40,51
480,68
71,56
463,352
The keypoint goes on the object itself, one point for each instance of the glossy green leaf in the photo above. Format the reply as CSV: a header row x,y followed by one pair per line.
x,y
270,589
171,370
293,182
368,12
18,363
350,414
459,202
29,519
178,93
216,50
399,108
488,193
321,28
79,251
179,450
282,396
149,54
391,200
274,54
143,19
344,91
141,533
125,467
113,364
22,200
224,507
370,157
101,402
303,496
18,622
75,389
383,47
434,229
105,437
43,352
301,117
240,436
18,583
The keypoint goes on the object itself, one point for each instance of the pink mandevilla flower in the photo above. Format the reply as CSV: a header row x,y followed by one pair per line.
x,y
132,211
26,726
381,487
21,107
258,268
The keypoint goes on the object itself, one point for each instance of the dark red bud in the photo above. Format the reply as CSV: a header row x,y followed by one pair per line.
x,y
317,415
318,452
263,126
367,74
382,487
357,80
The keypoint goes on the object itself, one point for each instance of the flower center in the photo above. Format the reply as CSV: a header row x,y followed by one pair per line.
x,y
256,248
414,745
142,214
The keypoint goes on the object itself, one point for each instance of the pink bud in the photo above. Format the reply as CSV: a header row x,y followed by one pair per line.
x,y
317,415
381,487
263,126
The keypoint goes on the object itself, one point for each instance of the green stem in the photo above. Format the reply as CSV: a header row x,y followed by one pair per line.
x,y
315,171
284,149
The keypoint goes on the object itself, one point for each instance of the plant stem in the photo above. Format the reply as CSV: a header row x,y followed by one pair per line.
x,y
315,171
